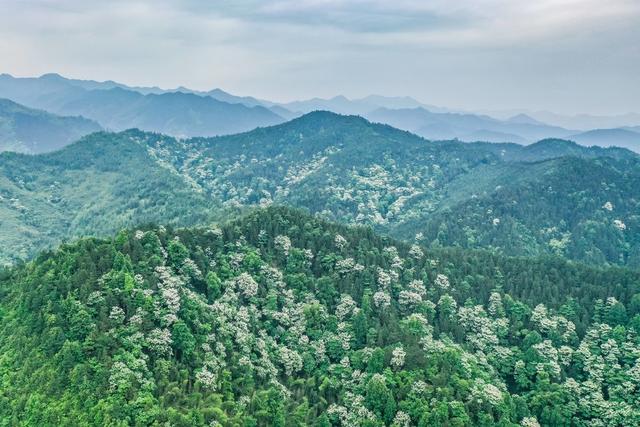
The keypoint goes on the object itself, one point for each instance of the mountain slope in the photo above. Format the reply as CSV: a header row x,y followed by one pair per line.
x,y
98,185
355,172
579,208
624,138
281,319
34,131
342,167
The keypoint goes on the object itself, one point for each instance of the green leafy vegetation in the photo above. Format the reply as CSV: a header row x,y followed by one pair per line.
x,y
552,197
279,318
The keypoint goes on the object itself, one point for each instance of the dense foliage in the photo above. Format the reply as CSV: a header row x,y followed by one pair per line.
x,y
279,318
553,197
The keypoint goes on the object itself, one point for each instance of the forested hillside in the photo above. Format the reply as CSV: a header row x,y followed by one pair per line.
x,y
279,319
97,186
553,197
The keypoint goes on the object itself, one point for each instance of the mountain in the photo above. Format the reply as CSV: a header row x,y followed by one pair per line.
x,y
554,197
587,121
395,102
221,95
27,130
362,106
177,113
554,148
283,112
183,112
118,108
624,138
581,122
524,119
465,126
98,185
278,318
485,135
556,206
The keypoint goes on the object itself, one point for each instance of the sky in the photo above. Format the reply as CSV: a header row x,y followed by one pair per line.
x,y
567,56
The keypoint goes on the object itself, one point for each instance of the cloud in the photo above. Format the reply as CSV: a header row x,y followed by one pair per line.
x,y
553,54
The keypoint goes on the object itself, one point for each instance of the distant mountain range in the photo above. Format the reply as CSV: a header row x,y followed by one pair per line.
x,y
581,122
626,138
185,112
362,107
466,127
552,197
117,107
27,130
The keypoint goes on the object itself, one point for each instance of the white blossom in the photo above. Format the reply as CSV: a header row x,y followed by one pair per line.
x,y
116,314
206,378
442,282
397,357
402,419
247,285
529,422
617,223
381,299
384,279
345,306
283,243
159,341
416,252
487,392
348,265
409,299
291,360
339,241
419,387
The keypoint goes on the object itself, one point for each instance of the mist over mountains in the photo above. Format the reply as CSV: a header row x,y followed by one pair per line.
x,y
183,112
117,108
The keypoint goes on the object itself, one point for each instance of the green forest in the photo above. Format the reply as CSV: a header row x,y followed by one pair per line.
x,y
553,197
320,213
280,318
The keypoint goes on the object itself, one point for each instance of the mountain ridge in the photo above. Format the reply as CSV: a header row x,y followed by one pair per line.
x,y
342,167
118,107
36,131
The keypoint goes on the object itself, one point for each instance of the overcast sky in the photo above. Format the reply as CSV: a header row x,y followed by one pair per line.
x,y
561,55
